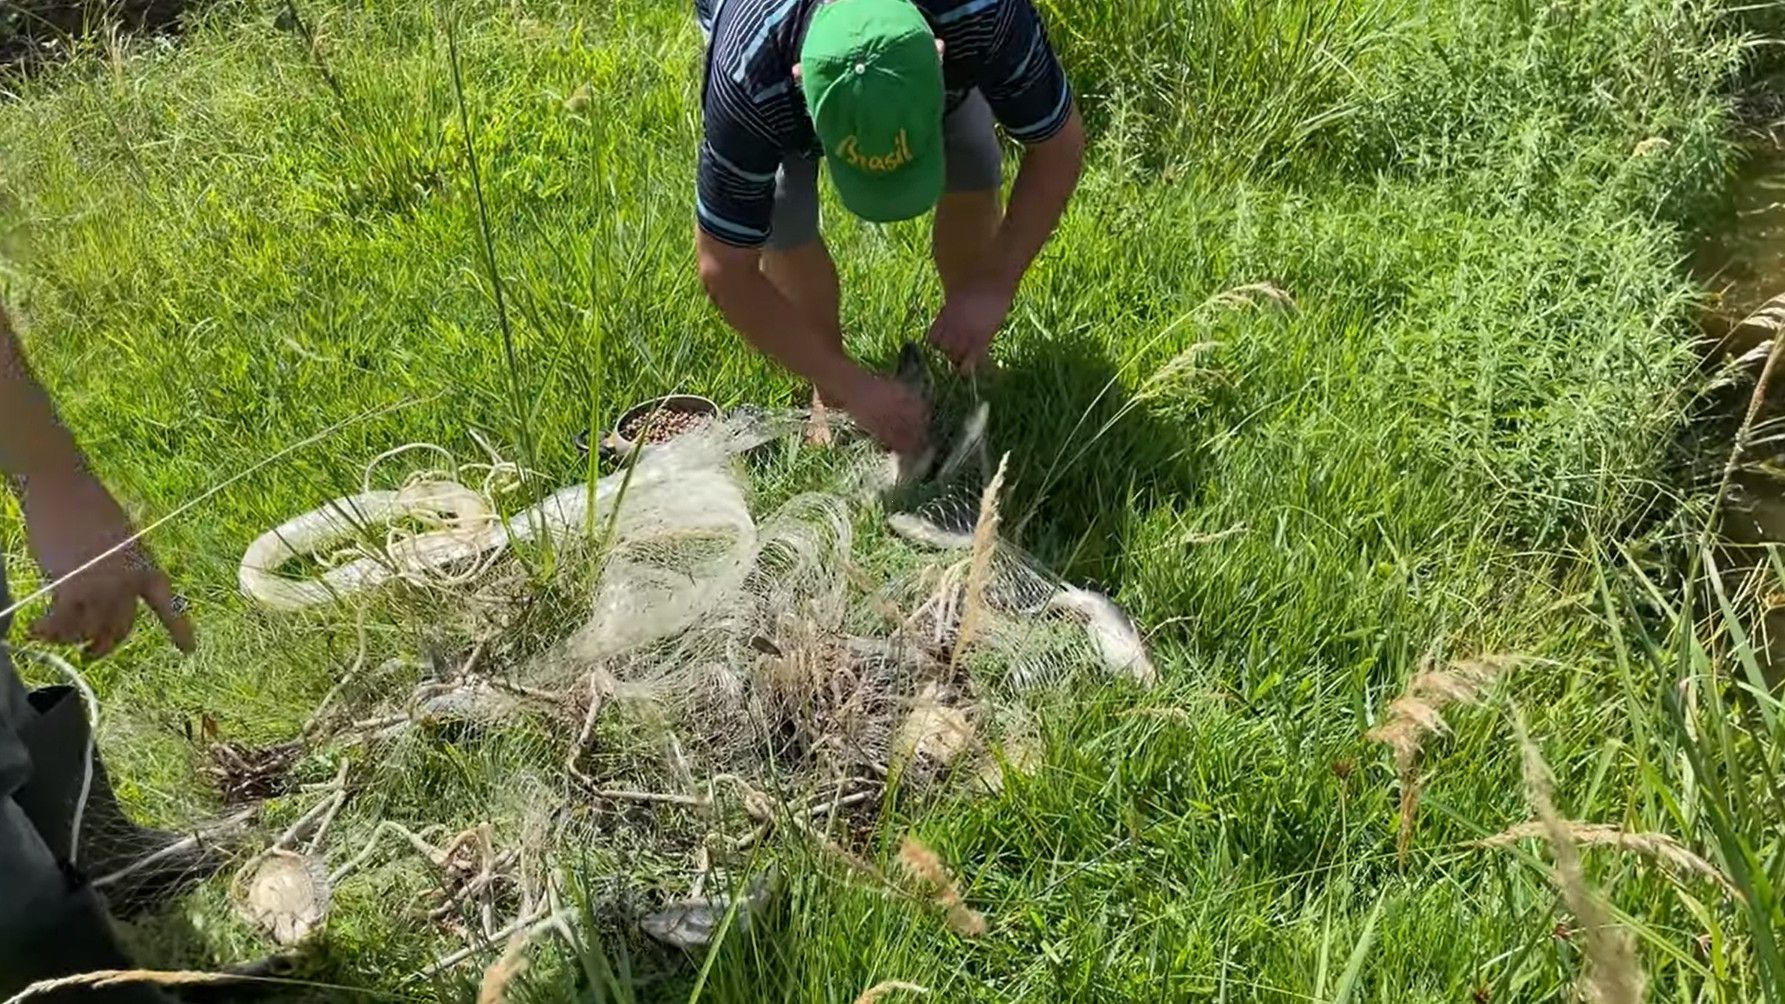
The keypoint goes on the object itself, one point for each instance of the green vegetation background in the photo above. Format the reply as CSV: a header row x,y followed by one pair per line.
x,y
225,245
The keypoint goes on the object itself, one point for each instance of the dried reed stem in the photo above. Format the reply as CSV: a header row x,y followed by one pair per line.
x,y
102,978
979,566
1416,714
925,865
1673,856
434,855
319,716
325,808
537,922
213,831
1770,316
493,989
1613,975
830,808
652,797
598,691
336,801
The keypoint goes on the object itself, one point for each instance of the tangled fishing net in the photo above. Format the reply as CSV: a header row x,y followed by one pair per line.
x,y
649,664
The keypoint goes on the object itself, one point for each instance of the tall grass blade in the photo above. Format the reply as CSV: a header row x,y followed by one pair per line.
x,y
1354,965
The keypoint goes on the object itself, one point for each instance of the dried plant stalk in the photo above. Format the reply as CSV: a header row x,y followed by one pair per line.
x,y
494,987
979,566
1672,855
1416,714
102,978
925,865
1769,316
1613,975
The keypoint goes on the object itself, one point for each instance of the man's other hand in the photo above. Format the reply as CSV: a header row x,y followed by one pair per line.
x,y
891,412
969,319
70,520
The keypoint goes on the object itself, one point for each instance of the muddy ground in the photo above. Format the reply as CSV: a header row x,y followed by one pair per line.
x,y
34,30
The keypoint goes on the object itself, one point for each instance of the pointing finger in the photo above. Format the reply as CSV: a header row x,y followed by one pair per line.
x,y
171,610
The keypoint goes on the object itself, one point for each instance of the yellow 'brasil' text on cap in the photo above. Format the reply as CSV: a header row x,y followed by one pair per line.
x,y
849,150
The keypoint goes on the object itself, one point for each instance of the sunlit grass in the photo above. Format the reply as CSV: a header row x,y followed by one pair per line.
x,y
1438,454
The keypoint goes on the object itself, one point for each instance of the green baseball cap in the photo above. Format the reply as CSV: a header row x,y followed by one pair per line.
x,y
873,83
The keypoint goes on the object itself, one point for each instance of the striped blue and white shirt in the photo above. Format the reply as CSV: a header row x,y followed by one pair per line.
x,y
754,114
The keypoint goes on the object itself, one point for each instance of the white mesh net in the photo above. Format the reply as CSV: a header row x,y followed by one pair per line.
x,y
646,665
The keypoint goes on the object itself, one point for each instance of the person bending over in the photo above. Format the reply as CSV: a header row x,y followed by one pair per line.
x,y
899,98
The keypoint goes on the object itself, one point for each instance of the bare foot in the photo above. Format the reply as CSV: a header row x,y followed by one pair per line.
x,y
818,427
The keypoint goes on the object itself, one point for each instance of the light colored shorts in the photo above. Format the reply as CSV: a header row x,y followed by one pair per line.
x,y
970,144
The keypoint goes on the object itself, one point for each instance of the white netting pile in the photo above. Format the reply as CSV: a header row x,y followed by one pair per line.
x,y
645,666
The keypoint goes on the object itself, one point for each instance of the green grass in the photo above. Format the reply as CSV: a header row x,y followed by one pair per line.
x,y
1445,450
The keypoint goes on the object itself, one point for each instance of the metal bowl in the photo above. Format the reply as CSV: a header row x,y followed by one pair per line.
x,y
615,445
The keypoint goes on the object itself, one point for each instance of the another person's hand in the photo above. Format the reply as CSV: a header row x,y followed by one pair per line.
x,y
70,520
969,319
891,412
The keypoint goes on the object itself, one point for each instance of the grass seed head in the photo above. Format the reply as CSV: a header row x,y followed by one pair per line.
x,y
1253,294
925,865
1416,714
1672,855
979,566
885,987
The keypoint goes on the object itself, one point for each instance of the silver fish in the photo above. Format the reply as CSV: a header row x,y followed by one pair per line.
x,y
1112,633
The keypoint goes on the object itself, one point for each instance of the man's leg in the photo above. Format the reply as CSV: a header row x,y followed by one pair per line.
x,y
800,266
968,217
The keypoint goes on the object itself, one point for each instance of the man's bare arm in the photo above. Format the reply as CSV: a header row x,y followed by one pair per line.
x,y
767,320
1044,184
77,532
33,443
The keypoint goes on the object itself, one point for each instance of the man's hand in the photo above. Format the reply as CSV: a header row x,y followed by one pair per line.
x,y
69,521
891,412
887,409
969,319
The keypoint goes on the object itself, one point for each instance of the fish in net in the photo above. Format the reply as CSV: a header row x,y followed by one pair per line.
x,y
694,673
